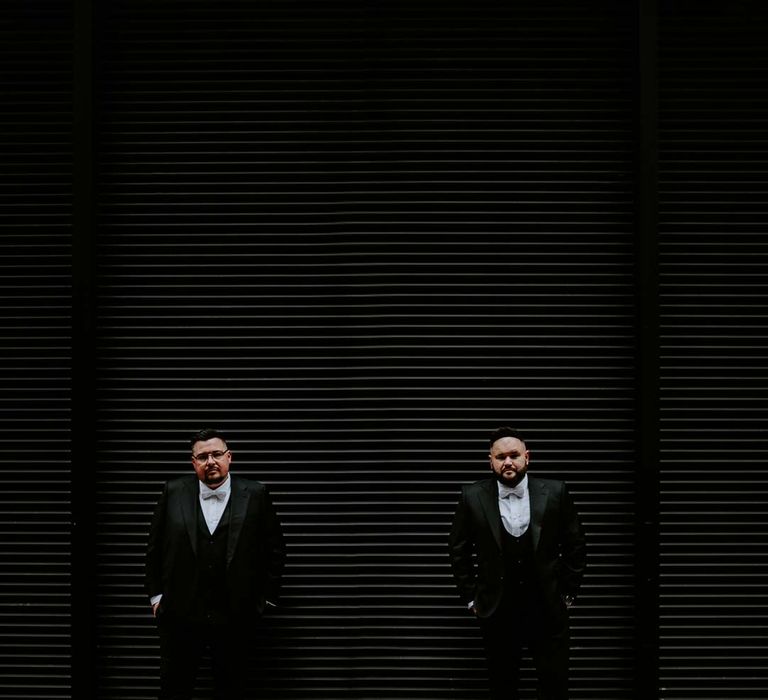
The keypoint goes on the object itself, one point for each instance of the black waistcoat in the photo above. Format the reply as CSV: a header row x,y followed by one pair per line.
x,y
210,596
522,605
519,576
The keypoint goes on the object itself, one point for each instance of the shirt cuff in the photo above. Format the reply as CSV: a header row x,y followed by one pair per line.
x,y
155,599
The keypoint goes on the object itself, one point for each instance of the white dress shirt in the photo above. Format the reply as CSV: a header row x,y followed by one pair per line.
x,y
515,507
214,501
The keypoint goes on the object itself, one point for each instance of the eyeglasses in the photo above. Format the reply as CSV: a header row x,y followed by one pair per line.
x,y
202,458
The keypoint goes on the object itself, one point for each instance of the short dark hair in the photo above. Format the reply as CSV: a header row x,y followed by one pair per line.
x,y
207,434
505,431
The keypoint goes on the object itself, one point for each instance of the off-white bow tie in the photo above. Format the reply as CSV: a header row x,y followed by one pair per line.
x,y
507,491
219,495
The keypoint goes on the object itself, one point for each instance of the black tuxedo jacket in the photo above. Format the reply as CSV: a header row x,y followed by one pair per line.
x,y
255,549
558,546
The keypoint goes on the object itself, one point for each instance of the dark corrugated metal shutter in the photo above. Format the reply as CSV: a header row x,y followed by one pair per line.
x,y
360,236
714,382
35,288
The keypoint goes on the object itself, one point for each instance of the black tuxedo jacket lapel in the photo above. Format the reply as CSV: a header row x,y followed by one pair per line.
x,y
238,504
537,492
189,511
490,503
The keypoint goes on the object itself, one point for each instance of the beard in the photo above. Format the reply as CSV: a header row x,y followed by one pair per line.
x,y
214,477
512,478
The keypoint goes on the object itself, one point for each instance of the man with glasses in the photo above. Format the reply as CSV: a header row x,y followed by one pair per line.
x,y
214,560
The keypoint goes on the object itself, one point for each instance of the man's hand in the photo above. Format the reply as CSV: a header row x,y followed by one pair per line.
x,y
154,608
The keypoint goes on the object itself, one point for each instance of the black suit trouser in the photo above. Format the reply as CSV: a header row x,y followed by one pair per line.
x,y
518,625
182,647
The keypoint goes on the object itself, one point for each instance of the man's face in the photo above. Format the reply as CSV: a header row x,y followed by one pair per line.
x,y
211,459
509,460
